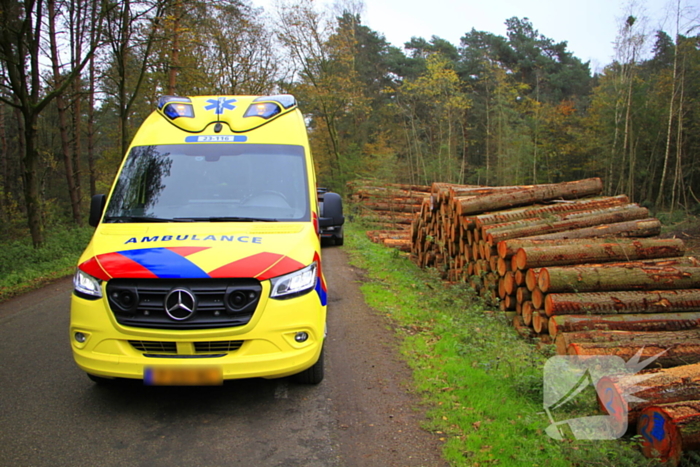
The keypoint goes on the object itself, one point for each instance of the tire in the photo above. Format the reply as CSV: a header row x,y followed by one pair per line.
x,y
339,240
312,375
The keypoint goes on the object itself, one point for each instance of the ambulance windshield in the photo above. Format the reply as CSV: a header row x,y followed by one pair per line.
x,y
210,183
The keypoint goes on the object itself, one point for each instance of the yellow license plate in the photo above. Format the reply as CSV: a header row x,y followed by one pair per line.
x,y
179,376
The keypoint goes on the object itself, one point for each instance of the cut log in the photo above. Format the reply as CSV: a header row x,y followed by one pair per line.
x,y
540,322
522,294
533,257
635,228
522,328
564,339
531,195
538,299
609,303
508,248
633,322
527,312
667,385
542,211
601,277
669,429
541,227
669,354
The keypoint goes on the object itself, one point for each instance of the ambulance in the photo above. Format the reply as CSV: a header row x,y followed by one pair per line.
x,y
205,264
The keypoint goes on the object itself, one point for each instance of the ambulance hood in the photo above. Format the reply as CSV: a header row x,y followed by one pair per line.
x,y
199,250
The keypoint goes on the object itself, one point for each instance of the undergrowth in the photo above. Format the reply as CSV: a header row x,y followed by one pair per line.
x,y
482,382
23,268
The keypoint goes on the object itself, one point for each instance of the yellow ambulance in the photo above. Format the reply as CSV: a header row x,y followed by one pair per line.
x,y
205,264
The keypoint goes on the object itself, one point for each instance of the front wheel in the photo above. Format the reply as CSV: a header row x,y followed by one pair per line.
x,y
312,375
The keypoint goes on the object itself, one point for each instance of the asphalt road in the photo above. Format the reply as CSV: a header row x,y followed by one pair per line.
x,y
360,415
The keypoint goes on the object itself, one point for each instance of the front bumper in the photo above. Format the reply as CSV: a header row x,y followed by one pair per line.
x,y
265,347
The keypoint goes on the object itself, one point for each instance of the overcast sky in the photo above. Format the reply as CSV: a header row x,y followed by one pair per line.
x,y
589,26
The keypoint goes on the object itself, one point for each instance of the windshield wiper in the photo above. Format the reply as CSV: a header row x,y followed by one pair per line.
x,y
142,219
226,219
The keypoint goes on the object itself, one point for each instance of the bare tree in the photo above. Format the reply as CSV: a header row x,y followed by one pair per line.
x,y
21,51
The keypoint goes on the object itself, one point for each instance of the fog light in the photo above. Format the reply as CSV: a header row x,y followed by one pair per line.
x,y
80,337
301,336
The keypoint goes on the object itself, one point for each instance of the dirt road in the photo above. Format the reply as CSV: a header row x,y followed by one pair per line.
x,y
360,415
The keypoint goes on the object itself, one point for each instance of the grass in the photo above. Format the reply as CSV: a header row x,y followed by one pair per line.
x,y
483,383
23,268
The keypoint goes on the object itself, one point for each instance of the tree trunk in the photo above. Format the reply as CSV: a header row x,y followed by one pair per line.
x,y
529,257
62,124
666,430
4,168
648,322
593,278
31,178
534,194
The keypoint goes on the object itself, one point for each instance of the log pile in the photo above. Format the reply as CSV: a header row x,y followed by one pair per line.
x,y
577,269
389,208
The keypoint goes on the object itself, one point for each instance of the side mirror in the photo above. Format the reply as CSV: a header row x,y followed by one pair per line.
x,y
97,206
332,210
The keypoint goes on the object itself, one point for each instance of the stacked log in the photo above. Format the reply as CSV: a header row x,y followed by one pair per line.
x,y
387,206
399,239
569,266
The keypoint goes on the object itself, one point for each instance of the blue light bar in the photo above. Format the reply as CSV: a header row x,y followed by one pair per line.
x,y
174,110
164,100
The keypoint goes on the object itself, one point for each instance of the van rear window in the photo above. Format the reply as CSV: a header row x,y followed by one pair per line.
x,y
211,182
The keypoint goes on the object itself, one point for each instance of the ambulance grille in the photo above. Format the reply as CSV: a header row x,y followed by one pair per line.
x,y
217,346
183,304
154,346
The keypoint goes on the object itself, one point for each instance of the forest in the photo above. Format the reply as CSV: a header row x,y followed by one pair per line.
x,y
79,76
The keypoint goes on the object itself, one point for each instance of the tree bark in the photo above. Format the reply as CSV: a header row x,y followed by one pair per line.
x,y
635,228
534,194
594,278
669,354
541,227
609,303
565,339
648,322
529,257
543,211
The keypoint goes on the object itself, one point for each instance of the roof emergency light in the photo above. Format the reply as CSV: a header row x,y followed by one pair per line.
x,y
263,109
174,107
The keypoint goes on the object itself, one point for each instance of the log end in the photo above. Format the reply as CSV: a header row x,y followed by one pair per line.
x,y
660,436
520,258
612,402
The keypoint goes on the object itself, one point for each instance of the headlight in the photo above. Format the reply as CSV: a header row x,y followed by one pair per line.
x,y
86,284
294,284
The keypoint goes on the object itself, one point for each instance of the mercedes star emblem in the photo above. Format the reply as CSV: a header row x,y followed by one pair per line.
x,y
180,304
